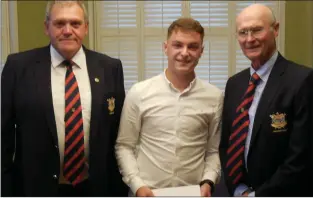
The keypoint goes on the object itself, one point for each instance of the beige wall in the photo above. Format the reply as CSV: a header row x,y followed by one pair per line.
x,y
299,32
298,36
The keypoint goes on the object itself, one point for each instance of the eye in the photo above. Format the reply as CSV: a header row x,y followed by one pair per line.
x,y
194,47
176,45
59,24
257,30
76,24
242,32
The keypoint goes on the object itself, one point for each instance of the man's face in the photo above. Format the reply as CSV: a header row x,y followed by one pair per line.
x,y
66,28
183,49
256,37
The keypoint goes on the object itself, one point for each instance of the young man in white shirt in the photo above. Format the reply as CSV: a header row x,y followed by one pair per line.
x,y
170,125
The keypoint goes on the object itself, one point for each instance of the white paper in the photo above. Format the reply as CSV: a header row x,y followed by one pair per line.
x,y
178,191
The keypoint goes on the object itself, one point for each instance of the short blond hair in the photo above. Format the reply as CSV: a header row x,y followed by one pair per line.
x,y
50,4
186,24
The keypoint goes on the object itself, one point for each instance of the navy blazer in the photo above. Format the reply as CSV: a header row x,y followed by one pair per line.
x,y
278,156
28,125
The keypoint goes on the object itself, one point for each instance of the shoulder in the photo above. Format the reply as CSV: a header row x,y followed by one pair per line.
x,y
146,86
297,71
29,54
102,57
208,87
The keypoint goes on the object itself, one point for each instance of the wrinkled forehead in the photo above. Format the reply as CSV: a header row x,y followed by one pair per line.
x,y
67,11
249,20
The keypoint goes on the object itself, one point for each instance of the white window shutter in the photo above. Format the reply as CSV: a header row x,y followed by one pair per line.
x,y
210,13
213,65
155,59
118,35
213,16
134,31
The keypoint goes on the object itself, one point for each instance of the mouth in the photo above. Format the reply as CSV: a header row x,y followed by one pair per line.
x,y
184,61
67,40
252,48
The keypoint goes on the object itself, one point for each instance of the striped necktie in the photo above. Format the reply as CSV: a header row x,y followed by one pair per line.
x,y
74,159
240,127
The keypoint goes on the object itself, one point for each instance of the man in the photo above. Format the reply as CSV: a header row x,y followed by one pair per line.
x,y
265,120
173,121
60,118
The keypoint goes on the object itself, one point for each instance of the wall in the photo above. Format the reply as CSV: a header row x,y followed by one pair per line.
x,y
298,36
299,32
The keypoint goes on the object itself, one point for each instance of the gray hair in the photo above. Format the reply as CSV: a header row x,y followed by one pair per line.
x,y
50,4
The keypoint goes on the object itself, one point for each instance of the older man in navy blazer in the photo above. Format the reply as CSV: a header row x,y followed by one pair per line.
x,y
266,120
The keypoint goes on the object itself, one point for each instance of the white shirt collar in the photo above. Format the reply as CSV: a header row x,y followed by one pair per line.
x,y
172,86
265,70
56,58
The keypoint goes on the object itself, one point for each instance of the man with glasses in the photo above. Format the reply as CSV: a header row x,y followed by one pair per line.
x,y
265,119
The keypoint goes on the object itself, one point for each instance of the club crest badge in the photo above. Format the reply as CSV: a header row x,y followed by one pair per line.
x,y
111,105
279,122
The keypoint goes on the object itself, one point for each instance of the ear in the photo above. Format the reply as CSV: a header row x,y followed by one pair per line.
x,y
276,29
86,27
46,27
165,47
202,48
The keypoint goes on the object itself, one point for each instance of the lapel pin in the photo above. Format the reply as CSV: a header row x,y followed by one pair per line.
x,y
97,80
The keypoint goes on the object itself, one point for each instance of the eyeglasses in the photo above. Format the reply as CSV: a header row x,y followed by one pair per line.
x,y
255,32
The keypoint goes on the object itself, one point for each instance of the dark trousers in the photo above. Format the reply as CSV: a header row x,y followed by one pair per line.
x,y
80,190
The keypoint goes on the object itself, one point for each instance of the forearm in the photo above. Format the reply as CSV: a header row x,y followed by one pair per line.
x,y
128,166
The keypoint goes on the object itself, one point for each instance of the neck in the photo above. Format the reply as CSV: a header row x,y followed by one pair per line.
x,y
256,64
180,82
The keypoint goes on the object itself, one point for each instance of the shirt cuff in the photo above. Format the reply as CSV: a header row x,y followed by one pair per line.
x,y
213,176
136,183
252,194
241,188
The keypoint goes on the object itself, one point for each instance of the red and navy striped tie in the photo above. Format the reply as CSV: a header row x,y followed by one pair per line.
x,y
240,127
74,159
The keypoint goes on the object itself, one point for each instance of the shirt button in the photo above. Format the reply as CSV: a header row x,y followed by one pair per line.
x,y
55,177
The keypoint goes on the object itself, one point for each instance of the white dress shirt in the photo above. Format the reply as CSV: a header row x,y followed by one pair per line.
x,y
58,71
169,138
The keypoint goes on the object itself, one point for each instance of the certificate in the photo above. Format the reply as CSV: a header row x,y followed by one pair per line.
x,y
193,190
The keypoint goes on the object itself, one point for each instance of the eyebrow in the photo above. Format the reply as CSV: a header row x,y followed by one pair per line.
x,y
179,42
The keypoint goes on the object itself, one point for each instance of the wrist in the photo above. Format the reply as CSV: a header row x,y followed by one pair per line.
x,y
210,183
249,190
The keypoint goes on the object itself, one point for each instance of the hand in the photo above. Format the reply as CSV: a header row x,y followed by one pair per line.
x,y
144,192
205,190
245,194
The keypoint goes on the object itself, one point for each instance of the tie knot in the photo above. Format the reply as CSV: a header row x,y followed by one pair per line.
x,y
68,63
255,78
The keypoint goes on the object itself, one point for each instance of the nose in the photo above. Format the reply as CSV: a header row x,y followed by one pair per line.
x,y
250,37
184,51
67,29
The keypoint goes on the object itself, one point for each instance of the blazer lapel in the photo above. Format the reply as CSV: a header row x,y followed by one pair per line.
x,y
268,95
43,79
98,87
